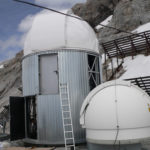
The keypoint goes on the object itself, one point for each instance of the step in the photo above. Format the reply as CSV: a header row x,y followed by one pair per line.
x,y
70,145
69,138
63,84
68,131
67,118
65,105
68,125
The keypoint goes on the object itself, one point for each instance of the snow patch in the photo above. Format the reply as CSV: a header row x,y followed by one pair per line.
x,y
103,58
105,22
142,28
137,67
115,64
1,66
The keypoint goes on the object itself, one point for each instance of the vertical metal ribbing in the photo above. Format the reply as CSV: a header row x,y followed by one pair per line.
x,y
73,69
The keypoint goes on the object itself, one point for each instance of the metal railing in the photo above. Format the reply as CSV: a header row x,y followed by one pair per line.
x,y
142,82
123,47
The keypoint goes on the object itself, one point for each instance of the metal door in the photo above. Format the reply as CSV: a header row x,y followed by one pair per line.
x,y
17,118
48,74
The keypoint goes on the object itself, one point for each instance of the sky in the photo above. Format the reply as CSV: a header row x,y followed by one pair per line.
x,y
16,20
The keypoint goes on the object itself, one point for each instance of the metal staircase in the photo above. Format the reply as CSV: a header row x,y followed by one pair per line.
x,y
66,117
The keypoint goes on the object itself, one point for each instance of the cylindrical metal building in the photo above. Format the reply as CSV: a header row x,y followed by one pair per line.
x,y
58,50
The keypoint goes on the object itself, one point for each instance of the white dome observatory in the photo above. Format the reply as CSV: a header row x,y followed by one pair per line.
x,y
116,112
52,31
58,50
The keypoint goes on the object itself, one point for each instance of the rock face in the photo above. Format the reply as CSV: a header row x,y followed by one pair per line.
x,y
95,11
10,79
128,15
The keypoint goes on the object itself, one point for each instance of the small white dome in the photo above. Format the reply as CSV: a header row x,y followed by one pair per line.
x,y
52,31
116,110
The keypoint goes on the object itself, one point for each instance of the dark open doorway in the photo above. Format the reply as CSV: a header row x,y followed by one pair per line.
x,y
31,117
17,118
23,118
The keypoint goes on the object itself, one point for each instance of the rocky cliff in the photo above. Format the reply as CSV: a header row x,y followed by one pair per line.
x,y
127,15
95,11
10,79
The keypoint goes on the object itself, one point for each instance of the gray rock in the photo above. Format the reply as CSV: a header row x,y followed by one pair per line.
x,y
95,11
10,81
128,15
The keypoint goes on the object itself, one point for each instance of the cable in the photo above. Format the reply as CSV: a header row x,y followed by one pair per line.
x,y
20,1
116,112
53,10
116,138
119,146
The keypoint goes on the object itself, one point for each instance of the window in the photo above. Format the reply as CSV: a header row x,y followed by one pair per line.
x,y
94,71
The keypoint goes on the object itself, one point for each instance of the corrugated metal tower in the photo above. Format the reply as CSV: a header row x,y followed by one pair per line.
x,y
58,50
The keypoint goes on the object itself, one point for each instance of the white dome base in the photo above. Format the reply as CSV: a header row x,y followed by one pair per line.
x,y
97,136
112,147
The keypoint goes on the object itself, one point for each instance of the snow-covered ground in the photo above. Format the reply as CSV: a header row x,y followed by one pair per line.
x,y
140,65
142,28
137,67
105,22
